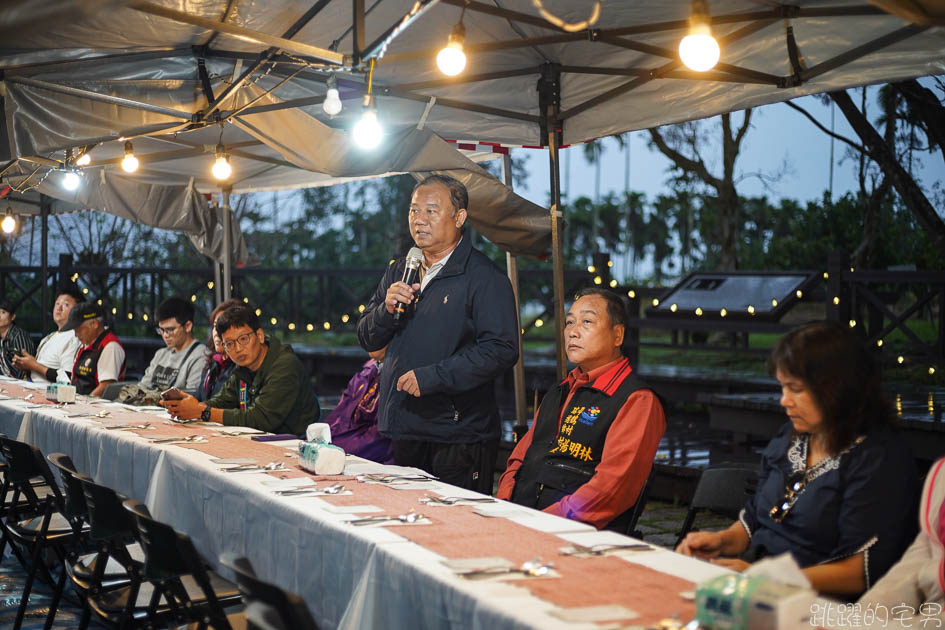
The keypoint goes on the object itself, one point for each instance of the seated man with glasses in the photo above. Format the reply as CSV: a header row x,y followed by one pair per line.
x,y
180,363
269,390
838,487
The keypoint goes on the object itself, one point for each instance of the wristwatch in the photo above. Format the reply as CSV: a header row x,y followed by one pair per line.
x,y
205,414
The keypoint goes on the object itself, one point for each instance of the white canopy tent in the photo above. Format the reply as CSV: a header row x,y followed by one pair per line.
x,y
170,75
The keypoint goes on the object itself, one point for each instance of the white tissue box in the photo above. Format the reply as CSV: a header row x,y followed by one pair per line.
x,y
57,392
321,458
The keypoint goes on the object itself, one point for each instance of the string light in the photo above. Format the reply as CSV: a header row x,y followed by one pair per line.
x,y
71,180
591,269
332,104
259,312
879,343
131,315
129,163
367,132
451,60
145,317
698,311
613,283
656,302
931,372
291,325
539,323
799,294
273,321
327,325
193,298
826,275
673,308
345,318
310,327
699,50
852,323
774,303
836,300
610,263
900,359
221,168
751,309
84,160
8,225
723,312
360,308
598,279
210,284
631,294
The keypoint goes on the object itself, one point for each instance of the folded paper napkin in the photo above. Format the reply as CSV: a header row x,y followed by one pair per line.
x,y
318,432
321,458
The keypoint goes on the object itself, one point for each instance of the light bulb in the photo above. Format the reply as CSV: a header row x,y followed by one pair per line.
x,y
699,50
84,160
452,58
129,163
367,133
221,168
332,104
71,180
8,224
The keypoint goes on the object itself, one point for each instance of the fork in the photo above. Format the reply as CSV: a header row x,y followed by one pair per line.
x,y
409,517
188,439
256,468
531,568
128,427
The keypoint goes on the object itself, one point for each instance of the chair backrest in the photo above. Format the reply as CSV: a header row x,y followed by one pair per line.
x,y
268,607
720,490
74,505
626,523
108,519
169,555
24,463
723,490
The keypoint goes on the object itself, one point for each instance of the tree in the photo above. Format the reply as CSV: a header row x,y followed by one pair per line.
x,y
683,145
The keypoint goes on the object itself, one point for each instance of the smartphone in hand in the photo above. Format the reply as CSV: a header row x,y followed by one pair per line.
x,y
172,394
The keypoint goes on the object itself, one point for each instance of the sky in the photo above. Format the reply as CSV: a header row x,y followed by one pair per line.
x,y
780,139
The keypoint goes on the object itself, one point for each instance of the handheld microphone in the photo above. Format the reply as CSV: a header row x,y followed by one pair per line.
x,y
411,274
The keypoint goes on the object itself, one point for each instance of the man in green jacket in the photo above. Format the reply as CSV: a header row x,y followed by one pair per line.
x,y
269,390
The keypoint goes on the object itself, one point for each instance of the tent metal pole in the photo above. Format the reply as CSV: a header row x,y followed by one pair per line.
x,y
518,370
549,99
44,263
217,283
227,255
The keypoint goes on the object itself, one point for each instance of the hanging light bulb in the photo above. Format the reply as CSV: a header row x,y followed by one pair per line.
x,y
221,168
129,163
332,104
9,221
452,58
71,180
367,132
84,160
699,50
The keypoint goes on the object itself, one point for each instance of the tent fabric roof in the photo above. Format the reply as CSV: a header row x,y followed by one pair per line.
x,y
173,74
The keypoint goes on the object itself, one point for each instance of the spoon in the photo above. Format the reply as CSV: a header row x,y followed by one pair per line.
x,y
531,568
602,548
409,517
176,440
267,467
455,500
311,491
128,427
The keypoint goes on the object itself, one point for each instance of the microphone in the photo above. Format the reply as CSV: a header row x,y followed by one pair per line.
x,y
411,274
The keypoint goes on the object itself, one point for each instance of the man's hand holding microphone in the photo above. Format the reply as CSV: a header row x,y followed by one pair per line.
x,y
399,296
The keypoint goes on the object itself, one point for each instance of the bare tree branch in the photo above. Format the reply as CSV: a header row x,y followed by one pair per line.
x,y
857,147
686,164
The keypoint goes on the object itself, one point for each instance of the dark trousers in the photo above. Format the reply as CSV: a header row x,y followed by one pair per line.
x,y
467,466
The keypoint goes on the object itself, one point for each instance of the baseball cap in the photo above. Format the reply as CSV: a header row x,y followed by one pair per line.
x,y
83,312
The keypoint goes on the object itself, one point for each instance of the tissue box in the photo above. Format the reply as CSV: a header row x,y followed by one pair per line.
x,y
740,602
57,392
321,458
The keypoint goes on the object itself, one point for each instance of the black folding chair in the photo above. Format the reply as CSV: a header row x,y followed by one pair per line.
x,y
191,592
721,491
53,525
18,504
268,607
626,523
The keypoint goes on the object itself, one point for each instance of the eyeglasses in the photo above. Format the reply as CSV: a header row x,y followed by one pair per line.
x,y
239,342
795,484
170,330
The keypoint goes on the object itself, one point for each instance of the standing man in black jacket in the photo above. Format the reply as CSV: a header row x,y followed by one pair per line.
x,y
437,395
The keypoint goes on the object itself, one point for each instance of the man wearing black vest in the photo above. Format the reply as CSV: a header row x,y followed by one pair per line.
x,y
101,359
590,449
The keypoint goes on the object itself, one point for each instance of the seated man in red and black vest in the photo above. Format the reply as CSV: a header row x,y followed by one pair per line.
x,y
101,359
590,449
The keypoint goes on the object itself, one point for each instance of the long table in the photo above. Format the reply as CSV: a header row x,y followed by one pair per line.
x,y
385,576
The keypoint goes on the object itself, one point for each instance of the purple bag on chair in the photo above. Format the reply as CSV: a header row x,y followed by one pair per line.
x,y
354,421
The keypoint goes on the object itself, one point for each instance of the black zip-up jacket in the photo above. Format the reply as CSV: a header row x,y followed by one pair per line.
x,y
461,334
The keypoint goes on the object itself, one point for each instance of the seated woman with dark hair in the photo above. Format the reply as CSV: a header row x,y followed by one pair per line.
x,y
838,486
219,366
